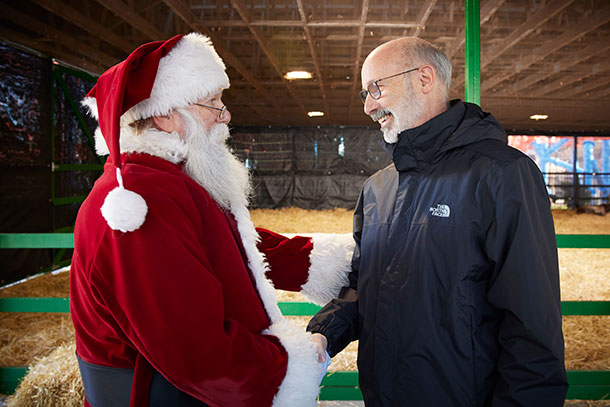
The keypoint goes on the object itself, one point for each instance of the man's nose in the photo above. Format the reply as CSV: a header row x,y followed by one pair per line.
x,y
370,105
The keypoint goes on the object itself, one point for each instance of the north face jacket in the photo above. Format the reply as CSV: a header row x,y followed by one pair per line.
x,y
454,294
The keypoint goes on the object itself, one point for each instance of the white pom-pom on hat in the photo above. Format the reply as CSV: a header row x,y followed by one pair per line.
x,y
123,209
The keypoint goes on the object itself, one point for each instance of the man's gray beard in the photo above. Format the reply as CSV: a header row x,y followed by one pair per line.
x,y
406,113
209,161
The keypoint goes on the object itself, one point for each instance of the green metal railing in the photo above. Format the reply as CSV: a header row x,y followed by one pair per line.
x,y
586,385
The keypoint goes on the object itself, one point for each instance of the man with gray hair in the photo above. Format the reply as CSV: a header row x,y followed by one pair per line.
x,y
454,294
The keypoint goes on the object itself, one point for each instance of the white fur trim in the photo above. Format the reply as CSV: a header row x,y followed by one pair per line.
x,y
191,71
330,261
124,210
256,261
300,386
168,146
91,105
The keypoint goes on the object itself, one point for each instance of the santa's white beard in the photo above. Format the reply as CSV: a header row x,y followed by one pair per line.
x,y
209,161
406,114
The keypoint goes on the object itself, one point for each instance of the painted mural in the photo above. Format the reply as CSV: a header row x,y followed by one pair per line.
x,y
575,168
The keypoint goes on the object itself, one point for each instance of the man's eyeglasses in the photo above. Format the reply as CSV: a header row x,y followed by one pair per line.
x,y
221,110
373,87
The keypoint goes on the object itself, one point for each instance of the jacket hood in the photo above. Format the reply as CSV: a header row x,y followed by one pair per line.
x,y
462,124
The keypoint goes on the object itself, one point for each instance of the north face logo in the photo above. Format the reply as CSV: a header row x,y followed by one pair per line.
x,y
441,211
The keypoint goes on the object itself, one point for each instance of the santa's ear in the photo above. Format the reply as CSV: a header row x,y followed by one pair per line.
x,y
172,122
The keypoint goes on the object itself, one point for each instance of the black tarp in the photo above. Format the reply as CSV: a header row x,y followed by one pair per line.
x,y
31,110
309,167
25,156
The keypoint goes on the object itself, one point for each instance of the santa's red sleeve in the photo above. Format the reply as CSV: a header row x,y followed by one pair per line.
x,y
317,265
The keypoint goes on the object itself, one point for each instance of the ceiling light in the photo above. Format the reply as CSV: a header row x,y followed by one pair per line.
x,y
315,114
539,117
297,75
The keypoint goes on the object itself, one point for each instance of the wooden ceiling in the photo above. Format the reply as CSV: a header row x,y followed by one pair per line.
x,y
537,56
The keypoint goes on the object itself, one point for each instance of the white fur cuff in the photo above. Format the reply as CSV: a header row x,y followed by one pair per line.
x,y
330,260
300,387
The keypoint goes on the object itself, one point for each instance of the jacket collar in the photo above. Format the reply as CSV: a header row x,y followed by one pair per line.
x,y
461,124
417,146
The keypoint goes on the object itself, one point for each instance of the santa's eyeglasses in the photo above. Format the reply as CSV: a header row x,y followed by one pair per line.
x,y
221,110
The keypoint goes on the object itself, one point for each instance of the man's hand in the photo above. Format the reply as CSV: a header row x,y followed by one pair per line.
x,y
321,345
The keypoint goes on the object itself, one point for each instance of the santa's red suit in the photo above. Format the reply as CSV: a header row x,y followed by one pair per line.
x,y
187,292
166,284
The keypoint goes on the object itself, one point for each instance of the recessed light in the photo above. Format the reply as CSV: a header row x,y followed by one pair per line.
x,y
315,114
297,75
539,117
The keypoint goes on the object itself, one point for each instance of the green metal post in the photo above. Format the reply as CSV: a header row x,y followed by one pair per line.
x,y
472,62
53,207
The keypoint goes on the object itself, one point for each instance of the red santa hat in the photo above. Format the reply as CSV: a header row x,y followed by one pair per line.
x,y
154,79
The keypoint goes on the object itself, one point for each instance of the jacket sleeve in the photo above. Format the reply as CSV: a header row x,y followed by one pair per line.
x,y
524,287
317,265
338,320
163,289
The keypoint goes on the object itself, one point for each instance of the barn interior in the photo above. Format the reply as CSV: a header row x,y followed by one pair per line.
x,y
543,72
537,57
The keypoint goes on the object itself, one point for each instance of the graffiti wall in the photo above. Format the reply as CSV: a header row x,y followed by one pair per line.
x,y
576,169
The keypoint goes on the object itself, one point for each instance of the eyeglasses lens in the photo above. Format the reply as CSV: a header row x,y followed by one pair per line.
x,y
363,94
373,90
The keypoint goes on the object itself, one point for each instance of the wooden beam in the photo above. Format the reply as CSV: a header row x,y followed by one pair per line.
x,y
246,101
185,13
311,24
563,83
337,24
540,17
86,23
52,51
487,12
358,60
314,57
584,26
242,10
422,17
133,18
582,89
559,66
598,94
50,34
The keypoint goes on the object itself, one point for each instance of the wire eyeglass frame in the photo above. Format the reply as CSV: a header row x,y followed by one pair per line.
x,y
373,87
221,110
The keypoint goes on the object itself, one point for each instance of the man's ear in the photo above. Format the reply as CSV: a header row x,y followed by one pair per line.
x,y
167,123
427,78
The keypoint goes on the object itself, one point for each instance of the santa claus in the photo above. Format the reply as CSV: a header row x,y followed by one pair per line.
x,y
171,285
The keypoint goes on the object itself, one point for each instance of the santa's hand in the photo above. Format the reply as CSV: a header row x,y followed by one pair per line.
x,y
321,344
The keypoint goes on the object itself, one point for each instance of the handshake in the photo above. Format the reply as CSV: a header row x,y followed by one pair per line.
x,y
323,357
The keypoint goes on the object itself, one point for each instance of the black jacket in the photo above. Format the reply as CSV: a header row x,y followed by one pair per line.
x,y
454,294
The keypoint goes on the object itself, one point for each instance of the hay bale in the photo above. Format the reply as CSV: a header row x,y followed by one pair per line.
x,y
24,338
27,336
296,220
586,342
52,381
584,274
53,284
